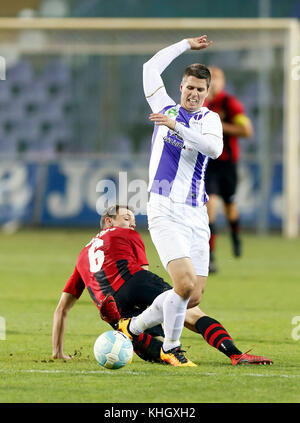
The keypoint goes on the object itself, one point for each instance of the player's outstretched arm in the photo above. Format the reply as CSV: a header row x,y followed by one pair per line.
x,y
154,88
66,302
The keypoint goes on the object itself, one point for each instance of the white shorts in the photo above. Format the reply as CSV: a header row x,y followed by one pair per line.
x,y
179,230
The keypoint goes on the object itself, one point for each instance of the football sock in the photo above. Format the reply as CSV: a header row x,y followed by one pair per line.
x,y
216,335
147,347
152,316
235,236
234,225
213,234
174,309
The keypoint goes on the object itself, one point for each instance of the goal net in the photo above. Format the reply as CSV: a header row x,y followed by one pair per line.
x,y
73,88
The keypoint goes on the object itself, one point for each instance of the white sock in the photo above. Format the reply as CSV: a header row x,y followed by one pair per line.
x,y
152,316
174,309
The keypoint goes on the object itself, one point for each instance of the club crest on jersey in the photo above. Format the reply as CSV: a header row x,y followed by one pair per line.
x,y
173,112
198,117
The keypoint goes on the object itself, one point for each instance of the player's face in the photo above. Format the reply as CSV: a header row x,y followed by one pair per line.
x,y
124,219
193,93
217,81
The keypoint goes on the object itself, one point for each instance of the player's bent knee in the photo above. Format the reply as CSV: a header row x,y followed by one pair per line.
x,y
194,301
196,296
185,286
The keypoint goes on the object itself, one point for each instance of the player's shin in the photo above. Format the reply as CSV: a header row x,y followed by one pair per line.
x,y
216,336
174,309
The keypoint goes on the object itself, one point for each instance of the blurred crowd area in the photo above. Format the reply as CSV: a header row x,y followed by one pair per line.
x,y
78,95
53,105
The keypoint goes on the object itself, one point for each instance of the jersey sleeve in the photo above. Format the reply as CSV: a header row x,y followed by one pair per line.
x,y
212,124
154,88
209,140
138,248
75,284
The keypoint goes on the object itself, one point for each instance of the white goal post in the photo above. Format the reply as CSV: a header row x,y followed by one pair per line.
x,y
136,36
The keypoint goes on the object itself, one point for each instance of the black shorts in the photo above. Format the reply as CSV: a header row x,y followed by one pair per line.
x,y
136,294
221,179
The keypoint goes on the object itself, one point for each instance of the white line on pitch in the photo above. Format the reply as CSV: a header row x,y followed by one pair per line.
x,y
87,372
84,372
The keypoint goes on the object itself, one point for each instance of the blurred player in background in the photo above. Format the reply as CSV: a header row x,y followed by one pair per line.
x,y
185,137
222,174
114,268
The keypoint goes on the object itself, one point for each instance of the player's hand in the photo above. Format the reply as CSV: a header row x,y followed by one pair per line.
x,y
160,119
109,311
199,43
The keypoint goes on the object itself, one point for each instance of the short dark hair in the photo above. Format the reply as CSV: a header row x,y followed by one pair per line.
x,y
112,211
199,71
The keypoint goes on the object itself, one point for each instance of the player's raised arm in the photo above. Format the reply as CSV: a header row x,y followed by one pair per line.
x,y
154,88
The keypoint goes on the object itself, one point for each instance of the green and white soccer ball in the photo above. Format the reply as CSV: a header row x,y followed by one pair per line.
x,y
113,350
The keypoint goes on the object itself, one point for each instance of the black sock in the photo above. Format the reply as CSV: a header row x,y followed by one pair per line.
x,y
234,229
216,336
147,347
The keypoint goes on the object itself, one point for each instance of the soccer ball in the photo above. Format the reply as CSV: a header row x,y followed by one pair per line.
x,y
113,349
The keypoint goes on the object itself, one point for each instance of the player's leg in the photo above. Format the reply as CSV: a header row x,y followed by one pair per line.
x,y
231,211
133,298
217,336
232,215
212,189
198,291
174,308
212,331
171,233
170,306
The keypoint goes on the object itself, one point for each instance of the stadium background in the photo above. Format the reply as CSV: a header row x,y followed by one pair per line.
x,y
70,115
69,120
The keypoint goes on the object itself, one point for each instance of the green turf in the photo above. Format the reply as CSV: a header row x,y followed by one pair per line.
x,y
255,298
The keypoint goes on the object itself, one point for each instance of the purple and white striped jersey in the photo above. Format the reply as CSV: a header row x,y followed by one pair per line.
x,y
179,157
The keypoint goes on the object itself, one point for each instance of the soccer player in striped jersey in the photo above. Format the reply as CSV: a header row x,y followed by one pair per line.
x,y
186,136
114,268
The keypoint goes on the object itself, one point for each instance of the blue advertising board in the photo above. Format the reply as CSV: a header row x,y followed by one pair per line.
x,y
72,192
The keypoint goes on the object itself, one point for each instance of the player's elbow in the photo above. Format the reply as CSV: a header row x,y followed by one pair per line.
x,y
214,155
216,152
61,311
214,146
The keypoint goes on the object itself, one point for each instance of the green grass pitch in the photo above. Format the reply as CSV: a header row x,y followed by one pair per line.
x,y
254,297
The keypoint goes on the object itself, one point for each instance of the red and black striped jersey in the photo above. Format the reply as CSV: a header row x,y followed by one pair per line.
x,y
228,108
107,262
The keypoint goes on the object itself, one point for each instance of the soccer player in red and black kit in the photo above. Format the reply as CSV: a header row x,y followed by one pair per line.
x,y
113,265
222,174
